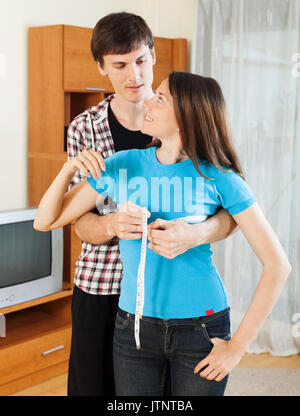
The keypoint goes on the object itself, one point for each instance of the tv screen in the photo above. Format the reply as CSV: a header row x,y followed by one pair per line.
x,y
25,254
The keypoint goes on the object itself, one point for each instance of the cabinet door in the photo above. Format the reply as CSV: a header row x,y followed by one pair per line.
x,y
80,69
164,60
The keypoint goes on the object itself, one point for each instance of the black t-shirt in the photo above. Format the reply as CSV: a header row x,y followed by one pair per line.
x,y
125,139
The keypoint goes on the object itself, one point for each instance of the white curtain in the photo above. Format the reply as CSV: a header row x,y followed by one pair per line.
x,y
252,48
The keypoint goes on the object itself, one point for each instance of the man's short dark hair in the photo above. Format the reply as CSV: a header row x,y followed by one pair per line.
x,y
119,33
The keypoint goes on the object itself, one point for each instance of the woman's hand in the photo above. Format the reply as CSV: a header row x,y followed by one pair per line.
x,y
170,238
127,222
87,162
220,361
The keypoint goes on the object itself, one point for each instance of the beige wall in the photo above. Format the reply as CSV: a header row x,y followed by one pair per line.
x,y
167,18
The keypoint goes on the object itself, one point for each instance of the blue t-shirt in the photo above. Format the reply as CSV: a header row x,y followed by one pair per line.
x,y
189,285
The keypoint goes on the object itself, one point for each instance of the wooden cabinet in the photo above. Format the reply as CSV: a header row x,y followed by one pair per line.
x,y
63,81
37,345
80,70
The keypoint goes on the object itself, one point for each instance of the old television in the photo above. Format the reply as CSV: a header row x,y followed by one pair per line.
x,y
31,262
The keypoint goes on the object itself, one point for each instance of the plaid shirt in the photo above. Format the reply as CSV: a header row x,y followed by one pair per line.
x,y
98,269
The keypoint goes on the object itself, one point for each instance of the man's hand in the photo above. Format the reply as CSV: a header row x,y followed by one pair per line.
x,y
127,222
170,238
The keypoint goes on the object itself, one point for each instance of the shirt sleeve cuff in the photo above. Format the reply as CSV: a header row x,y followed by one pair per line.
x,y
236,209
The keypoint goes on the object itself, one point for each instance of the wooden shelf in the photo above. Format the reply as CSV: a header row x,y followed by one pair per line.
x,y
52,156
32,323
67,291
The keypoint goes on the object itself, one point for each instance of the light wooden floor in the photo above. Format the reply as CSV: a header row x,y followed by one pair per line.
x,y
57,386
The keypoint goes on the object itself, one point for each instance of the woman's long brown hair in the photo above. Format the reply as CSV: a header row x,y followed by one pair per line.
x,y
200,113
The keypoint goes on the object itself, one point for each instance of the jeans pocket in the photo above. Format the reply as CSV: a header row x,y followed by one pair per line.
x,y
217,328
121,322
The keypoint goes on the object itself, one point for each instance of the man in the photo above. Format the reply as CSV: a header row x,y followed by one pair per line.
x,y
123,47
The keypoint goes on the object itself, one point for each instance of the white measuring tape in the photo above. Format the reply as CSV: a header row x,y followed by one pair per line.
x,y
140,296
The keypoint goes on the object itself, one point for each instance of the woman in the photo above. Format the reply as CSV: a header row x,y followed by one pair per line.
x,y
190,172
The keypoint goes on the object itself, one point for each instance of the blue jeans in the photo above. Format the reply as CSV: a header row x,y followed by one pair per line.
x,y
177,344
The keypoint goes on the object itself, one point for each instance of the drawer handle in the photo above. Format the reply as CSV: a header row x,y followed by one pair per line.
x,y
95,89
60,347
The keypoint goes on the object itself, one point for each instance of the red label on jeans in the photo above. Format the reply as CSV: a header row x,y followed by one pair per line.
x,y
209,312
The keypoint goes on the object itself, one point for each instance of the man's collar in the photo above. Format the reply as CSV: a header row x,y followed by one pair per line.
x,y
102,114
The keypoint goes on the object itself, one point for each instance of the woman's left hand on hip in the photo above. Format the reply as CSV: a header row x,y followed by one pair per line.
x,y
220,361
